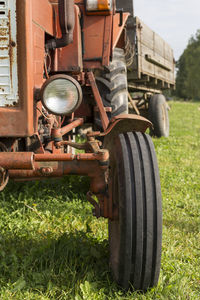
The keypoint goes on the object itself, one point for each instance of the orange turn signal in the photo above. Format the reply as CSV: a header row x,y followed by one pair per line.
x,y
98,7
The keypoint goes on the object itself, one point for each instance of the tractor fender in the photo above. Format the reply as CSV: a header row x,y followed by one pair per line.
x,y
125,123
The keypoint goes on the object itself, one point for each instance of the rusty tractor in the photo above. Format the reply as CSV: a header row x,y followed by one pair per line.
x,y
64,64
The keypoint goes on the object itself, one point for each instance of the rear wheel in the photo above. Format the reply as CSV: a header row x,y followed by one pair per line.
x,y
112,85
158,115
135,236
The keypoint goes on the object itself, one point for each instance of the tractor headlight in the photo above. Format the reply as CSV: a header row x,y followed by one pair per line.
x,y
98,7
61,94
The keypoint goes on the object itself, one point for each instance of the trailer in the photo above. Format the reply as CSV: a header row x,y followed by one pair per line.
x,y
152,71
153,63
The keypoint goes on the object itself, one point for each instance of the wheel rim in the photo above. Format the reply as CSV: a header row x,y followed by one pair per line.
x,y
164,117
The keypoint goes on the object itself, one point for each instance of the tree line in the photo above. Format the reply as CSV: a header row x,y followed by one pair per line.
x,y
188,70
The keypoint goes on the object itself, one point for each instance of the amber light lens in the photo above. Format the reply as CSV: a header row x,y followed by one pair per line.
x,y
98,6
61,95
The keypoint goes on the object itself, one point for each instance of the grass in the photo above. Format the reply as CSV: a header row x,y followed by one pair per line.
x,y
52,248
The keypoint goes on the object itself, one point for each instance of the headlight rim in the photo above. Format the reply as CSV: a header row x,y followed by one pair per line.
x,y
66,77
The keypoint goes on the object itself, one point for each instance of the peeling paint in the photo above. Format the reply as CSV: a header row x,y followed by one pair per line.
x,y
8,54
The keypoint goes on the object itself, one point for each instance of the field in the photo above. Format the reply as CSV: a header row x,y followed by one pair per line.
x,y
52,248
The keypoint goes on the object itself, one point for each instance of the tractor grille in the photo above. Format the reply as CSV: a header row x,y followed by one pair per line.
x,y
8,54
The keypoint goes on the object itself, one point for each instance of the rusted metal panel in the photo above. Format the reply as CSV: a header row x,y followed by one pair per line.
x,y
43,15
70,58
92,43
107,40
96,39
93,37
153,58
38,55
18,120
117,30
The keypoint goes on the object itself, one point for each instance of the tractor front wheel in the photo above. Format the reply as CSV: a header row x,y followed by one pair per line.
x,y
135,235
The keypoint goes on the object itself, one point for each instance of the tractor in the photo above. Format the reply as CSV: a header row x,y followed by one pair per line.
x,y
70,64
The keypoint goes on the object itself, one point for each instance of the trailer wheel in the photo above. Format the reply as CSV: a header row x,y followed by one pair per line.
x,y
112,85
158,115
135,236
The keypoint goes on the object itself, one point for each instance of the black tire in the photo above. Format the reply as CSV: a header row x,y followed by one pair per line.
x,y
112,85
158,115
135,237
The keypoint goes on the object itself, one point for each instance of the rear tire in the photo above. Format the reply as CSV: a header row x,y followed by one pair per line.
x,y
158,115
112,85
135,237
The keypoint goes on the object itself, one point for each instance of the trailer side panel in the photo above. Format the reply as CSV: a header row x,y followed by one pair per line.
x,y
154,60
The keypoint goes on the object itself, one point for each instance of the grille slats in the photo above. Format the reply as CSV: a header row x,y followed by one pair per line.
x,y
8,66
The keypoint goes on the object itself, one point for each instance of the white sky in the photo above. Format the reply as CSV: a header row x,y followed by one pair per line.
x,y
174,20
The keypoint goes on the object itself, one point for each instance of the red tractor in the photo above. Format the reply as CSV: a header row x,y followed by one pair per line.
x,y
63,65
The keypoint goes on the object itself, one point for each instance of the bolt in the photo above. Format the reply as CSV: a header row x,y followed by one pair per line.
x,y
46,171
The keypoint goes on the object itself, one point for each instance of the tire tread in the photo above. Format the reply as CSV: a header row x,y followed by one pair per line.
x,y
112,85
141,189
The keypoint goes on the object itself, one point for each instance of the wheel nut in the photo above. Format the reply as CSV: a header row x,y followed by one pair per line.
x,y
46,171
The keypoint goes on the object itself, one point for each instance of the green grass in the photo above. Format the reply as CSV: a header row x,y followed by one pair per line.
x,y
52,248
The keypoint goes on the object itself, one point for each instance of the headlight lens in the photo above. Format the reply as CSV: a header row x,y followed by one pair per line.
x,y
61,95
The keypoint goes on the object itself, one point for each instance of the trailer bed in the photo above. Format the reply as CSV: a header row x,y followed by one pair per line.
x,y
154,64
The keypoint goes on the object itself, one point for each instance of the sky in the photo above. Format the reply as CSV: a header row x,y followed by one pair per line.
x,y
174,20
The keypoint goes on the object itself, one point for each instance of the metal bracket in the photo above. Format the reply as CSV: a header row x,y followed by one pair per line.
x,y
91,146
96,211
120,11
99,102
